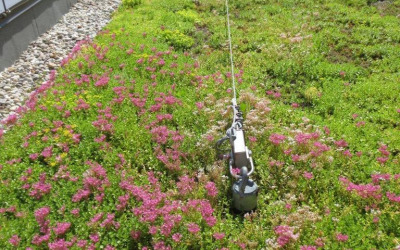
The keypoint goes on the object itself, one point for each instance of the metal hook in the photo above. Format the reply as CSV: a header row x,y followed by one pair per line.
x,y
245,177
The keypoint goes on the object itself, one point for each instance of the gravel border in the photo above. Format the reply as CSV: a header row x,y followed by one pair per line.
x,y
84,20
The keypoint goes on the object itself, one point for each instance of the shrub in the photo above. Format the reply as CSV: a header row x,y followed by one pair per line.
x,y
178,39
189,15
311,93
131,3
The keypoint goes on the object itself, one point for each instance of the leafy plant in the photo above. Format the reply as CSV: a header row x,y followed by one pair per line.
x,y
131,3
177,39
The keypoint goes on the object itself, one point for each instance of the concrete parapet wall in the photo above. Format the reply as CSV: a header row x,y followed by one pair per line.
x,y
16,35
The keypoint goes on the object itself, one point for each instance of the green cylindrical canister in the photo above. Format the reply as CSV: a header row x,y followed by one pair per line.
x,y
247,200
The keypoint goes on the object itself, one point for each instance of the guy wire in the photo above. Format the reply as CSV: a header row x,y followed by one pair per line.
x,y
230,51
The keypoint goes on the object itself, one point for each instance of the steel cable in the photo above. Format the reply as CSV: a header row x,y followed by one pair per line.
x,y
230,51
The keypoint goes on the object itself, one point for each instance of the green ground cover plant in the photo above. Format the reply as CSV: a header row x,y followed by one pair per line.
x,y
117,149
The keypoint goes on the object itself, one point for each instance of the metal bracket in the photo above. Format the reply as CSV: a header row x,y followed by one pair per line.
x,y
240,155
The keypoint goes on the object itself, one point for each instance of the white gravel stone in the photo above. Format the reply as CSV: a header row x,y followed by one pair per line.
x,y
84,20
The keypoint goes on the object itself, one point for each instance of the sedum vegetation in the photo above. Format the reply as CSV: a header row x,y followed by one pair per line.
x,y
116,150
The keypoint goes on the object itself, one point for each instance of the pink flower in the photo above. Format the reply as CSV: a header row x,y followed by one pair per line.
x,y
80,195
288,206
76,138
347,153
235,170
218,236
382,160
81,104
364,191
199,105
39,239
285,235
161,246
210,138
39,189
383,149
277,95
295,105
319,242
326,130
276,163
161,62
153,230
160,134
103,81
342,237
47,152
308,248
109,221
341,143
308,175
82,243
360,123
193,228
61,228
177,237
392,197
135,234
210,220
41,213
166,228
33,156
140,61
295,158
75,212
100,139
380,177
14,240
321,147
67,114
123,202
277,138
211,189
303,138
94,237
185,184
11,119
60,244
